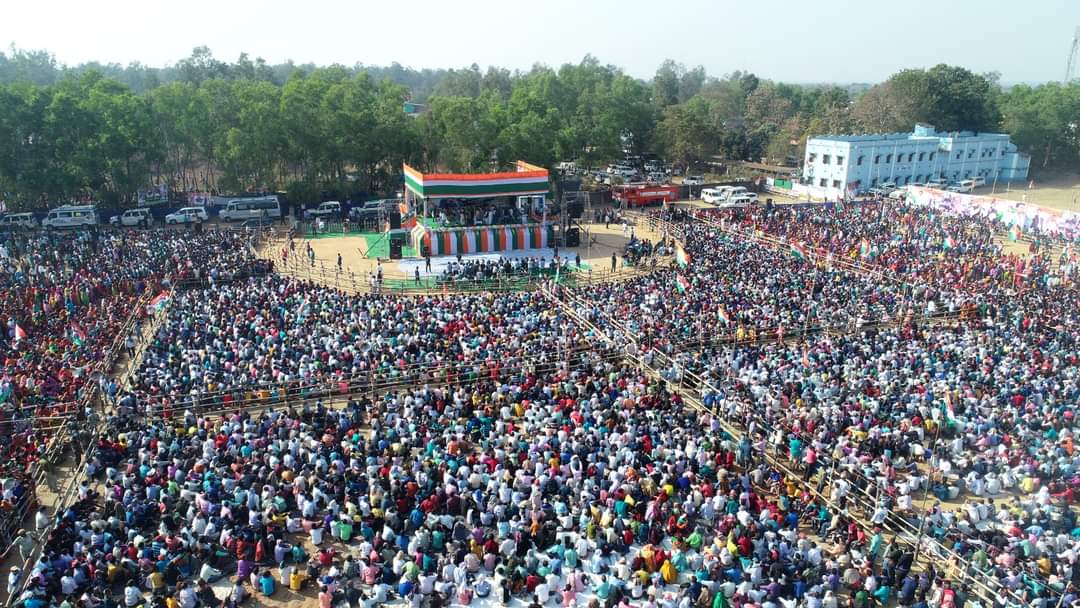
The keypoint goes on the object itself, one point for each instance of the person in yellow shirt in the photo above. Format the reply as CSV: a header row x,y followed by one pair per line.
x,y
296,580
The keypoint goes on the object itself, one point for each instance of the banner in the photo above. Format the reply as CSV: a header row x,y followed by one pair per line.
x,y
1025,216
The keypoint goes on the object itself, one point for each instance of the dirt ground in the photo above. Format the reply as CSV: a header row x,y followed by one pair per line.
x,y
595,251
1057,191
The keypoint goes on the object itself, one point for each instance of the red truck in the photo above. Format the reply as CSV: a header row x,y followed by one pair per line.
x,y
640,195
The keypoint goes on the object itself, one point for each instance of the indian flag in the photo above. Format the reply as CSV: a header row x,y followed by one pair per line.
x,y
864,248
798,251
681,256
159,301
949,243
950,411
20,333
78,336
681,283
723,314
1015,233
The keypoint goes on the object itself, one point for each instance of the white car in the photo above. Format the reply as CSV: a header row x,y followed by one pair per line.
x,y
132,217
743,198
187,215
693,180
329,209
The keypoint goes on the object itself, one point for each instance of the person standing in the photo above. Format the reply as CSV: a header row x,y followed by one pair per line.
x,y
612,261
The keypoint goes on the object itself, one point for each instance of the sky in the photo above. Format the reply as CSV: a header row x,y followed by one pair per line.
x,y
840,41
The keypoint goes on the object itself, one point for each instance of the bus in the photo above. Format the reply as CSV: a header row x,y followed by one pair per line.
x,y
251,209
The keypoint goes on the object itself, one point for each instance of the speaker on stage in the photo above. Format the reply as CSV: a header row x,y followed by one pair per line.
x,y
397,243
395,219
573,237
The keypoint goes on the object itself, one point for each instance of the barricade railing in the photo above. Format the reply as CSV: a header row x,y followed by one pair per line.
x,y
906,530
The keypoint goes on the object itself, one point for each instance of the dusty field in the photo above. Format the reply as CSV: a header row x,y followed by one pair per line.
x,y
1059,192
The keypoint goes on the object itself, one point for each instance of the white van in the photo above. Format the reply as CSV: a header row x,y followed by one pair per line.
x,y
938,183
979,180
18,220
714,195
71,216
743,198
965,186
251,209
734,191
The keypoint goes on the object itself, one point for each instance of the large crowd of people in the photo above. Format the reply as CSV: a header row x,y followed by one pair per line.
x,y
873,406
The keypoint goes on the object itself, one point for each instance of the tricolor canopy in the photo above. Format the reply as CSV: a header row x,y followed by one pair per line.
x,y
527,180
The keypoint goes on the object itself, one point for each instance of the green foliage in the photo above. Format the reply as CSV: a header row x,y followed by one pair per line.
x,y
206,124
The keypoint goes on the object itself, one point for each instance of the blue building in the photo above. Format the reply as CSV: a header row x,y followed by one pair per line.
x,y
838,164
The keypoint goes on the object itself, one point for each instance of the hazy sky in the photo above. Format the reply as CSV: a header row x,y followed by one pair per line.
x,y
804,41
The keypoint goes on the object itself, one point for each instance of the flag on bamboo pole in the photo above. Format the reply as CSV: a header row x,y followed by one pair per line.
x,y
798,251
681,283
78,336
723,314
949,243
681,256
1015,233
20,333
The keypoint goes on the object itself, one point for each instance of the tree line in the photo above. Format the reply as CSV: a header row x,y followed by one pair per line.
x,y
106,131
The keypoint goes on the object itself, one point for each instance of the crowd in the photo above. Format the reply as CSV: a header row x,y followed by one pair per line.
x,y
861,373
504,268
259,335
66,302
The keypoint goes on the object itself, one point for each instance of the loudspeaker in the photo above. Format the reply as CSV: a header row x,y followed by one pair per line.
x,y
573,237
395,250
395,220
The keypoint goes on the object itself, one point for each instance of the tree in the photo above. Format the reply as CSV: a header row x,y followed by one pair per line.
x,y
1043,120
949,97
666,83
684,132
201,66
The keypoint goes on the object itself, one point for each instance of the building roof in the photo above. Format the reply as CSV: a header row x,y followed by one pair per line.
x,y
921,132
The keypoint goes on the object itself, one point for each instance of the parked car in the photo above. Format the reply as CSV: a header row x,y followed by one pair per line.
x,y
187,215
712,195
18,220
693,180
327,210
257,224
979,180
373,209
743,198
898,194
70,216
133,217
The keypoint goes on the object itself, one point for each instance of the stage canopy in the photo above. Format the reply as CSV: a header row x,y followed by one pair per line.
x,y
527,180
